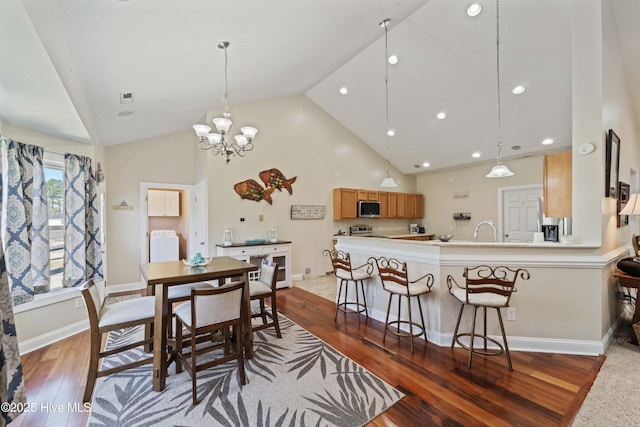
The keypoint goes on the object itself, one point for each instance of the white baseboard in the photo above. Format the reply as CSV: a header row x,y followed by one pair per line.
x,y
43,340
297,277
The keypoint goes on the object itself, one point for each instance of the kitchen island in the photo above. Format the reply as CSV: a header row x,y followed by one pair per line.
x,y
568,306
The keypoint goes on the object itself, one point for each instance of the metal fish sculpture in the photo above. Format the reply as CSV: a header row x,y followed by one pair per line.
x,y
250,189
273,178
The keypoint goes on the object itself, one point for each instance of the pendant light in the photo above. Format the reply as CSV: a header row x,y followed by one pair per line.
x,y
388,181
499,170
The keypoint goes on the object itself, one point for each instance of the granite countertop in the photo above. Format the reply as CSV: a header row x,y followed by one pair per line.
x,y
266,242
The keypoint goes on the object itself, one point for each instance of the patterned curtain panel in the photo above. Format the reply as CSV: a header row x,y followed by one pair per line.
x,y
82,254
25,220
11,381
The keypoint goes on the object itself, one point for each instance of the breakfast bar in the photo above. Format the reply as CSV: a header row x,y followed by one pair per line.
x,y
565,307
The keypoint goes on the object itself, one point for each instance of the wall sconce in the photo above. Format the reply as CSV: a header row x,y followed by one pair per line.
x,y
99,174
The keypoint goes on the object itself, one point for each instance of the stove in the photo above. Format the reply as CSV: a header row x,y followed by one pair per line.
x,y
361,230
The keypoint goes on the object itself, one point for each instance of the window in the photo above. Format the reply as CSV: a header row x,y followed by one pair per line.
x,y
54,181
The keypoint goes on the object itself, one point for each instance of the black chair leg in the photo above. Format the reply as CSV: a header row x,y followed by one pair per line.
x,y
473,335
455,331
386,320
338,300
504,338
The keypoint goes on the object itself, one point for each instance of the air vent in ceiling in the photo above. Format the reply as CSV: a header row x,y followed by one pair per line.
x,y
127,98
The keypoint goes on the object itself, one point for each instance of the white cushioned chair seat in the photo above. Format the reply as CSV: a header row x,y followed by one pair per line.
x,y
184,291
414,288
482,299
258,288
127,311
357,275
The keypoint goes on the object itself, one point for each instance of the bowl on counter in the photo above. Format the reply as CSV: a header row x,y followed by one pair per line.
x,y
445,237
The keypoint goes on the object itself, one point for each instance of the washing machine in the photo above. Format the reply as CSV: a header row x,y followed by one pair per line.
x,y
163,246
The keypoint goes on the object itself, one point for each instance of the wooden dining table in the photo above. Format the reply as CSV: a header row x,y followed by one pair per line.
x,y
160,275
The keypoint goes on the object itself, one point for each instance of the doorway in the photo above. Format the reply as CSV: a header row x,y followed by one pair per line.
x,y
191,224
520,211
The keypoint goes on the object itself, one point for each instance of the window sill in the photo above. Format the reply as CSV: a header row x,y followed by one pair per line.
x,y
43,300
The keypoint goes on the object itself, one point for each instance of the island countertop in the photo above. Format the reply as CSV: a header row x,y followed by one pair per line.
x,y
471,243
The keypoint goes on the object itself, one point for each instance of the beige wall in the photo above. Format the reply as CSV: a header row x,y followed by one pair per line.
x,y
439,187
164,159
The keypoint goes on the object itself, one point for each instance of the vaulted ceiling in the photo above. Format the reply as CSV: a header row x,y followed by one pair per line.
x,y
65,64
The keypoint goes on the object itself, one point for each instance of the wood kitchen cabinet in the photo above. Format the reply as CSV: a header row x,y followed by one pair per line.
x,y
419,206
392,205
163,203
345,203
383,198
401,205
367,195
556,179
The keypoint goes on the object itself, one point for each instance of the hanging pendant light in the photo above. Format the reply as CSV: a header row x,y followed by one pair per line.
x,y
499,170
220,143
388,181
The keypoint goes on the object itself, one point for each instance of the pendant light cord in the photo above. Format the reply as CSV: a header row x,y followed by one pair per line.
x,y
385,24
225,97
498,77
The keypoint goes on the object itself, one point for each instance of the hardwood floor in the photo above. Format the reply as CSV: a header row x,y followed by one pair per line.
x,y
543,389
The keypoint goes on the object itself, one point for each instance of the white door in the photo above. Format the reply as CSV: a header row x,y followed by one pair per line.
x,y
520,213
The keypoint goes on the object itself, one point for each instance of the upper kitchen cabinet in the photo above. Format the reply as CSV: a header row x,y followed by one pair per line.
x,y
345,203
367,195
163,203
556,178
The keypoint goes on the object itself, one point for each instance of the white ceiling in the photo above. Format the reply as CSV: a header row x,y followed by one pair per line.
x,y
66,62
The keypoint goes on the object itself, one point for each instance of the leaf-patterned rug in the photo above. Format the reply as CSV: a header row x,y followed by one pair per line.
x,y
297,380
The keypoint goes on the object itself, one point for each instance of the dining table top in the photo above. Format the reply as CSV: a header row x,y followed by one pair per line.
x,y
175,272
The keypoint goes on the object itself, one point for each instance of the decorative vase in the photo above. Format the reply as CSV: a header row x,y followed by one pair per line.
x,y
227,237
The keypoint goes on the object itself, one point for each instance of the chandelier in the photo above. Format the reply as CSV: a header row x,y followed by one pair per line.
x,y
499,170
220,143
388,181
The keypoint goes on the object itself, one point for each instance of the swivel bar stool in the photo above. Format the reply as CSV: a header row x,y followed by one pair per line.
x,y
393,275
486,287
347,274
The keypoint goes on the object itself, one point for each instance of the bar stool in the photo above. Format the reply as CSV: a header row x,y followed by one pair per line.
x,y
347,274
394,278
486,287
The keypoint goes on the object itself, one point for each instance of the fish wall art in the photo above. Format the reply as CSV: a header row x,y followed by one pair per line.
x,y
273,179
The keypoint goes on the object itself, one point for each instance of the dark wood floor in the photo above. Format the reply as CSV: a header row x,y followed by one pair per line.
x,y
543,389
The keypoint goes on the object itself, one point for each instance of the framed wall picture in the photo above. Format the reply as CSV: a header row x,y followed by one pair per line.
x,y
623,198
550,233
612,164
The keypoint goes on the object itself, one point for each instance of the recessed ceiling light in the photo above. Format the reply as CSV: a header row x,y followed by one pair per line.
x,y
547,141
474,9
518,90
343,90
125,113
393,59
391,132
476,155
426,164
441,115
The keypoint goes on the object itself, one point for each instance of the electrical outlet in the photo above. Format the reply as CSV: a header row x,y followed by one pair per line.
x,y
307,270
511,313
78,302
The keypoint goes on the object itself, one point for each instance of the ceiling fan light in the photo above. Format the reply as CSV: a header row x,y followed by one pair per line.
x,y
499,171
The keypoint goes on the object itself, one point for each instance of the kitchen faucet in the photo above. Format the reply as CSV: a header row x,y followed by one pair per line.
x,y
489,223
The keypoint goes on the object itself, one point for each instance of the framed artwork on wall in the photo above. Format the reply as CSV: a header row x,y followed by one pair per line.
x,y
623,198
612,164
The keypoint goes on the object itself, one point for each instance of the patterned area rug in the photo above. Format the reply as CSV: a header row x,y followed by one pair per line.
x,y
297,380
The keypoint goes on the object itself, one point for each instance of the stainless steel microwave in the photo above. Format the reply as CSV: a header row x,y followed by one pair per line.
x,y
368,209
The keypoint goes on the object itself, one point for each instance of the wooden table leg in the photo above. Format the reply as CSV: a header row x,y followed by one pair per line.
x,y
160,339
246,323
148,328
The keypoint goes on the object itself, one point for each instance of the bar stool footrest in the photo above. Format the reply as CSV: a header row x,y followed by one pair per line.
x,y
345,307
404,334
484,351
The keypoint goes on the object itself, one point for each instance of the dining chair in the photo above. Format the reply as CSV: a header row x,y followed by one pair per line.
x,y
110,317
260,290
209,316
486,287
177,294
344,270
395,280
